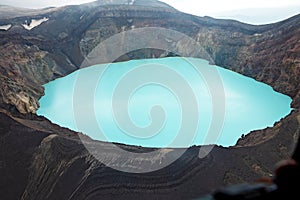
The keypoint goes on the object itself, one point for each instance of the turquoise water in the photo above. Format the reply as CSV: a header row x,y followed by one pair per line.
x,y
167,102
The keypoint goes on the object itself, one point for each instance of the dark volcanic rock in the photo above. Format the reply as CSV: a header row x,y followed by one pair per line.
x,y
18,145
49,162
40,160
57,47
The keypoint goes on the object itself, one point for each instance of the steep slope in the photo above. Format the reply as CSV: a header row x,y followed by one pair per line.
x,y
57,166
72,32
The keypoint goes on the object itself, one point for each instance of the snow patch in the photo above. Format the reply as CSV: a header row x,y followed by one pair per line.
x,y
131,2
257,34
34,23
5,27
